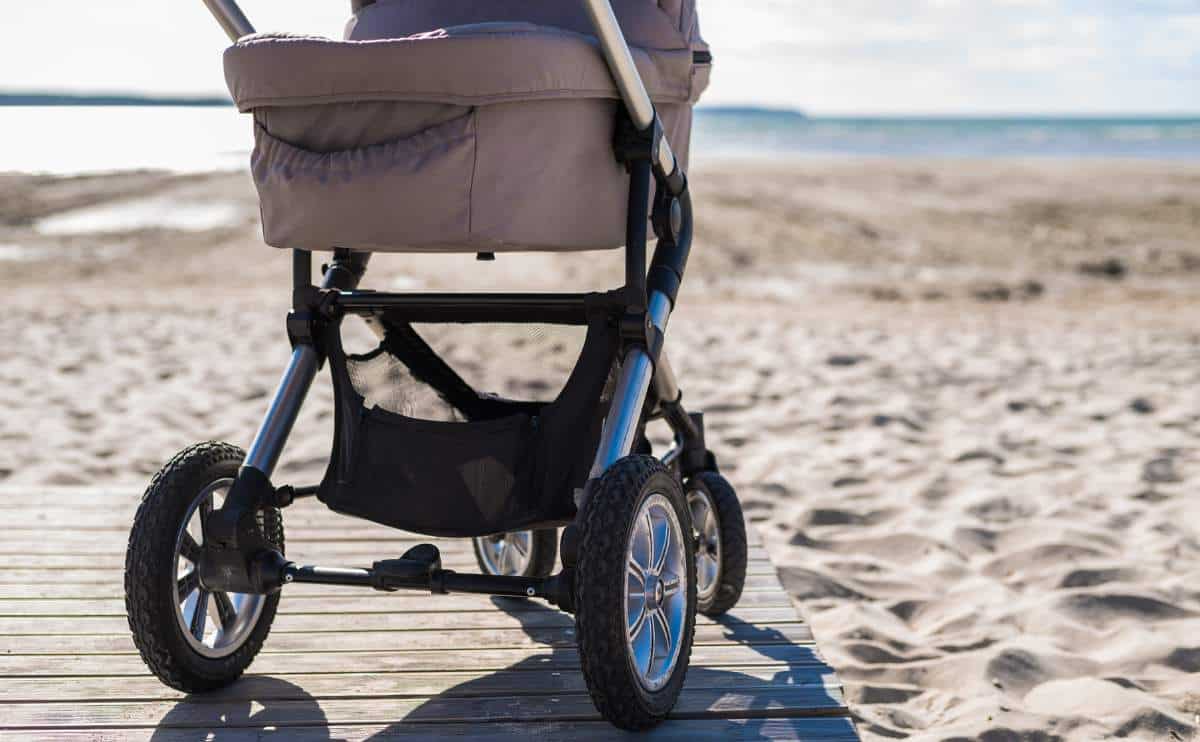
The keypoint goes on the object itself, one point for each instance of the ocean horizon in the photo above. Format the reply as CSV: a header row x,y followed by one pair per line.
x,y
67,133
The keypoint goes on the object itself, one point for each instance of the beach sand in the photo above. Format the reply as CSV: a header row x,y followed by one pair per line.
x,y
961,401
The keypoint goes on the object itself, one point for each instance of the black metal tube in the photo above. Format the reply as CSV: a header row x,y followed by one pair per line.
x,y
301,269
345,272
437,581
636,230
453,582
680,422
559,309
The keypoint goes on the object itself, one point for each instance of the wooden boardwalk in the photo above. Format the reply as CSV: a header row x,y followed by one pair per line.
x,y
353,664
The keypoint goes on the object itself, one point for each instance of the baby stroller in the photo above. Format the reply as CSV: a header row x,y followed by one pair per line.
x,y
484,127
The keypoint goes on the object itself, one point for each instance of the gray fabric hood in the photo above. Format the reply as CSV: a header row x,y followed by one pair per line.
x,y
456,125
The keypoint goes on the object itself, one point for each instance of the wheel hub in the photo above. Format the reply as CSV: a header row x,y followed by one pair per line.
x,y
215,623
656,592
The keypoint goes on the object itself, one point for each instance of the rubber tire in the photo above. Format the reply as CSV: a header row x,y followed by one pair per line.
x,y
600,621
543,555
734,549
150,572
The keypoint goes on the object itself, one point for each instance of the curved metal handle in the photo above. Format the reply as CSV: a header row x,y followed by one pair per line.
x,y
625,73
233,21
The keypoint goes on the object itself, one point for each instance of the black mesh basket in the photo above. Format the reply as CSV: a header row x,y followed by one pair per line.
x,y
489,465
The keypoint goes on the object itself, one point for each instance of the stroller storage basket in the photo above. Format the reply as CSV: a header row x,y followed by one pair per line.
x,y
509,466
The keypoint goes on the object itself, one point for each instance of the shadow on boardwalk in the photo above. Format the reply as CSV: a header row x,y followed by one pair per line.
x,y
216,718
562,699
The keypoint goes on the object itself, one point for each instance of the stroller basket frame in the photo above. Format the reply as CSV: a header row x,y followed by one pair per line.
x,y
665,534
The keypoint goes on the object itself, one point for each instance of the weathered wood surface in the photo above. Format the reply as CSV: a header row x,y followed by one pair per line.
x,y
350,664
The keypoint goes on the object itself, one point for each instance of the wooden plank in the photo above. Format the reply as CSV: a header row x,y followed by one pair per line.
x,y
427,638
429,608
401,660
779,701
331,601
119,516
301,518
485,617
262,688
344,543
706,730
113,564
113,587
91,579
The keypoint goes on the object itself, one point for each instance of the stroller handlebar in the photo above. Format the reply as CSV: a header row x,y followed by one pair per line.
x,y
625,73
231,18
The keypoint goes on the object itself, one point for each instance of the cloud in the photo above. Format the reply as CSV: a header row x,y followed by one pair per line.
x,y
927,56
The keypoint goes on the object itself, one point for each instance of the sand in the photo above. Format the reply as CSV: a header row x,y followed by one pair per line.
x,y
961,401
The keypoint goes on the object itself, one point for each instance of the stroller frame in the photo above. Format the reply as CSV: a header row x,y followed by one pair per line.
x,y
646,543
237,559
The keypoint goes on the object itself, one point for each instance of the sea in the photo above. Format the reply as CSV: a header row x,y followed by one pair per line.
x,y
71,139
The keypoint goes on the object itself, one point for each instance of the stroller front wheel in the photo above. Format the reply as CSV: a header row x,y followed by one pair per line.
x,y
192,638
635,592
519,553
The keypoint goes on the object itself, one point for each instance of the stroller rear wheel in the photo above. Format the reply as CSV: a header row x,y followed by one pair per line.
x,y
635,592
721,551
192,638
519,553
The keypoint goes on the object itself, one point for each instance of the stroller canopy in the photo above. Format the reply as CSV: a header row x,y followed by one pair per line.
x,y
491,118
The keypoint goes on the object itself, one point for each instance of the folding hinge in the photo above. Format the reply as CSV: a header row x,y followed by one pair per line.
x,y
667,216
631,144
637,329
311,309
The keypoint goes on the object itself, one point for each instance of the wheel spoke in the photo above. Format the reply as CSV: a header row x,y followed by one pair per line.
x,y
642,644
189,549
504,563
662,634
186,584
517,541
650,550
660,558
640,619
635,571
226,612
199,615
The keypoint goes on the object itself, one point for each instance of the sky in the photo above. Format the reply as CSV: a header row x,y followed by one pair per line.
x,y
820,56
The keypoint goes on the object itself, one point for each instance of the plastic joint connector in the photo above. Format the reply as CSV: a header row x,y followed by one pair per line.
x,y
631,144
